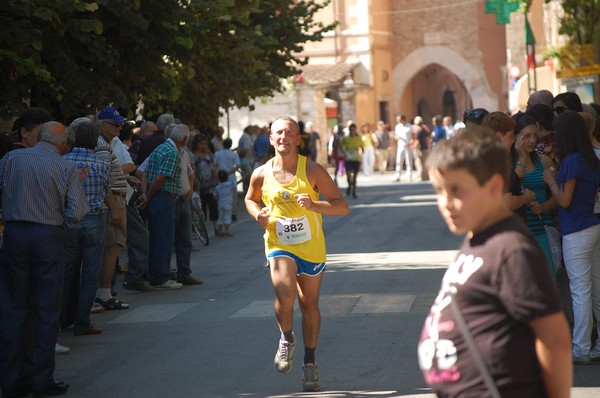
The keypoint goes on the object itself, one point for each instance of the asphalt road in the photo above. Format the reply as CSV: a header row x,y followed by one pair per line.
x,y
385,264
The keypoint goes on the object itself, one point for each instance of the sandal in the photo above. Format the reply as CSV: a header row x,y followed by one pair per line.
x,y
112,304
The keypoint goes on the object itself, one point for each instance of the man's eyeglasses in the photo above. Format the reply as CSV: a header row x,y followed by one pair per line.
x,y
117,125
560,109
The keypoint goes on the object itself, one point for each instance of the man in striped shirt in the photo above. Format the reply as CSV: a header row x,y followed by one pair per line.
x,y
109,123
41,193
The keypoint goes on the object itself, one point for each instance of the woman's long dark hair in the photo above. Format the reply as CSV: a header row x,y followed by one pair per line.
x,y
572,136
523,120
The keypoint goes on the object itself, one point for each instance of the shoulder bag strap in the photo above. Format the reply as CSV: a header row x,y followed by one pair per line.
x,y
485,373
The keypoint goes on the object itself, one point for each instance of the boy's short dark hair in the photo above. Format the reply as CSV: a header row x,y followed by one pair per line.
x,y
475,150
223,175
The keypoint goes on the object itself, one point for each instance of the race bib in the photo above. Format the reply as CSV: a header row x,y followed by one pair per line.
x,y
291,231
352,154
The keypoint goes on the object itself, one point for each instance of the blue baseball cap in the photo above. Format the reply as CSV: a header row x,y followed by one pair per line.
x,y
112,114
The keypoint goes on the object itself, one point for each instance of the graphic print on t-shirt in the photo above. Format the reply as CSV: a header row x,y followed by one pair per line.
x,y
438,357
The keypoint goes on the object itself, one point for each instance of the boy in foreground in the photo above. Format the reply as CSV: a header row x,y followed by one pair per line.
x,y
500,282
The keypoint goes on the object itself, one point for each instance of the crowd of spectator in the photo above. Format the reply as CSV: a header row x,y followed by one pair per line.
x,y
95,187
104,184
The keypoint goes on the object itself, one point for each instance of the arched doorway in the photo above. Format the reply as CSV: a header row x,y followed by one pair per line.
x,y
422,75
435,90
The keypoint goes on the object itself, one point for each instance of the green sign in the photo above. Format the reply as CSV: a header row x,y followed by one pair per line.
x,y
502,9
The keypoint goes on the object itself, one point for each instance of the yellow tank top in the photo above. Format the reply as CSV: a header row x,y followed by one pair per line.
x,y
291,227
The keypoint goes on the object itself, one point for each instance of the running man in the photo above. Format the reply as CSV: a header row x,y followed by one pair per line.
x,y
289,186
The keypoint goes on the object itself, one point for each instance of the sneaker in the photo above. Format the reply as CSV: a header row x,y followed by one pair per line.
x,y
61,349
285,353
582,360
310,382
595,355
168,285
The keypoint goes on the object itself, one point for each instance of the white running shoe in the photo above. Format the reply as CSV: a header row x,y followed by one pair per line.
x,y
168,285
285,353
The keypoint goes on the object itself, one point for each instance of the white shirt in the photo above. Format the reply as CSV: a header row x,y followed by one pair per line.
x,y
120,151
229,161
403,134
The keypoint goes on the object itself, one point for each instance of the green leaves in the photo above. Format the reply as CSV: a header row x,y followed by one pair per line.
x,y
579,21
185,56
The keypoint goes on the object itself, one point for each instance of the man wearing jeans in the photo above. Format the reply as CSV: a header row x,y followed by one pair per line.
x,y
41,192
85,243
164,179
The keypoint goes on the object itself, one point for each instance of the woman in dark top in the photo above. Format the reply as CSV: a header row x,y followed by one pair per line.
x,y
517,196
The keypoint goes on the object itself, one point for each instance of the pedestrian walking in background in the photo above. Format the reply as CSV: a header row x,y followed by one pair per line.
x,y
352,147
368,156
404,150
383,145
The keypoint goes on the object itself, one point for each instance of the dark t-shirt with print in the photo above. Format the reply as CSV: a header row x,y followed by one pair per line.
x,y
501,282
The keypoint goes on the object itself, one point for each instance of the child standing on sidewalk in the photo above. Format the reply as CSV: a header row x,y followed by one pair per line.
x,y
224,195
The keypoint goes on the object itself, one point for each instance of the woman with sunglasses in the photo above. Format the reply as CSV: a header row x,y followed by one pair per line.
x,y
567,101
529,166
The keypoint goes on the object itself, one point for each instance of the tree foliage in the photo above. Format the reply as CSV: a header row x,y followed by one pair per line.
x,y
580,21
185,56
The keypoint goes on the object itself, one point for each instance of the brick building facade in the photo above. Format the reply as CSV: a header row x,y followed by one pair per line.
x,y
411,57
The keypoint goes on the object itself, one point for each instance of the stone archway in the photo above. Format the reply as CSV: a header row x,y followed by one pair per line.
x,y
474,80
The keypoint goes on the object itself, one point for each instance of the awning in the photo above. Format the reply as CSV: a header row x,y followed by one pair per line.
x,y
327,73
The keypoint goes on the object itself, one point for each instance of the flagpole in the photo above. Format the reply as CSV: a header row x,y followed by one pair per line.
x,y
530,50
